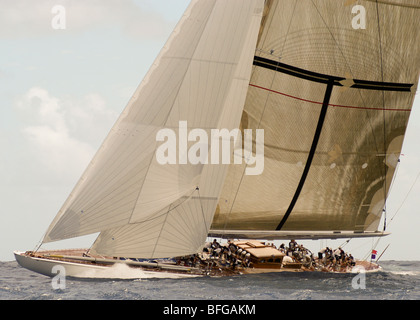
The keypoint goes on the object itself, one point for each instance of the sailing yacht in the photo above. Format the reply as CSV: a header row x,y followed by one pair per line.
x,y
333,99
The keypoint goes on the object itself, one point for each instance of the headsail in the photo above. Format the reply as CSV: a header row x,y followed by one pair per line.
x,y
334,102
143,208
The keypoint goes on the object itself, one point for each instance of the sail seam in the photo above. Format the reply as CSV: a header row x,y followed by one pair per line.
x,y
331,105
288,28
160,232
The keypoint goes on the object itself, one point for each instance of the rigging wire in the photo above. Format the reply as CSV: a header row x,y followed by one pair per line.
x,y
38,246
40,243
392,218
405,198
202,209
383,253
345,243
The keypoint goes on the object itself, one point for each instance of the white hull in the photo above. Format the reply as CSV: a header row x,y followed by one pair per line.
x,y
119,270
125,270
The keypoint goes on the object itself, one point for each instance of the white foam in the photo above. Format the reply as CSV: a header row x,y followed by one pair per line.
x,y
405,273
123,271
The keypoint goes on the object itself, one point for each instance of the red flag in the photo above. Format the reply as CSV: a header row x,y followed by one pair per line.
x,y
374,252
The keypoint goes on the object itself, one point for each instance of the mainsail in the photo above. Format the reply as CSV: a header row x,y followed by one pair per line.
x,y
334,101
334,104
143,208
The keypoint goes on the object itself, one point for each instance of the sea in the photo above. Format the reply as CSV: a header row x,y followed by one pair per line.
x,y
397,281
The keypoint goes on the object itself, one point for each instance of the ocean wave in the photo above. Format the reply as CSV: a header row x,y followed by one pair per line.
x,y
124,272
397,280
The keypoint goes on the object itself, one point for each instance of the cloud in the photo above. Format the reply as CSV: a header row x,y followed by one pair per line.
x,y
63,133
27,18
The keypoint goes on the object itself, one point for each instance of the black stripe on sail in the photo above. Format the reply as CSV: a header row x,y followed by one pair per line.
x,y
331,81
311,155
293,71
323,78
381,86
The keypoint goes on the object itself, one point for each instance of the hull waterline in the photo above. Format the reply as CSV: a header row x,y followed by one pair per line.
x,y
92,268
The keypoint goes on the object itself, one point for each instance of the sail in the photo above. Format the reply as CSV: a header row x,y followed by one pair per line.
x,y
332,86
201,79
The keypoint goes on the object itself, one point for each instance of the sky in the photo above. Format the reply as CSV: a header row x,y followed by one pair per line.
x,y
61,90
